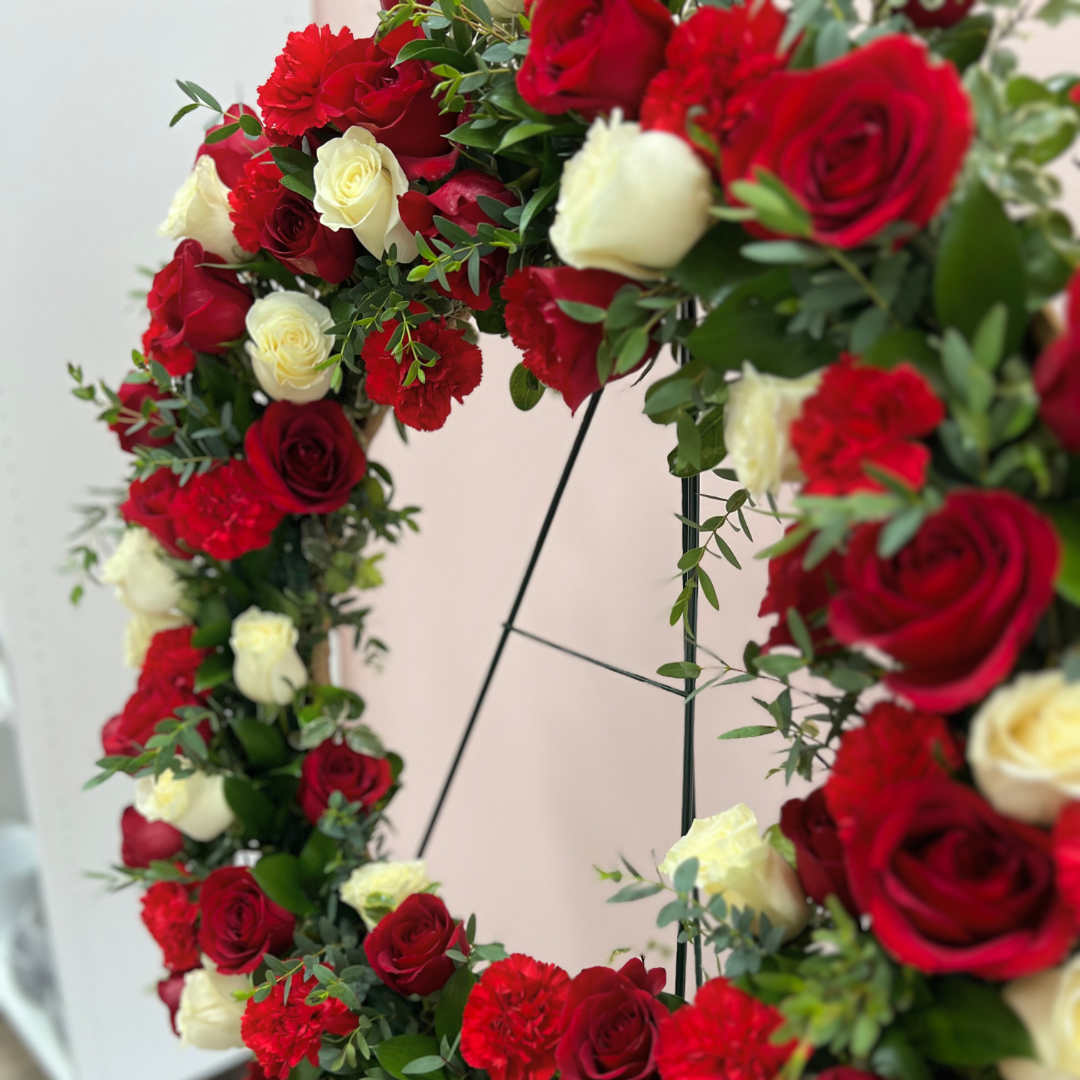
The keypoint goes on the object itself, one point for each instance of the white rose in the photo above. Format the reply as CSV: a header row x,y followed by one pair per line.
x,y
510,9
209,1016
631,201
734,860
757,425
357,185
289,340
200,211
140,630
144,580
1024,747
1049,1005
377,888
193,804
267,667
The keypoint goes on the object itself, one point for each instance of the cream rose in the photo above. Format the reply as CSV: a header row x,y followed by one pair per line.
x,y
267,667
1049,1005
209,1015
358,182
757,424
734,859
377,888
193,804
289,341
144,580
1024,747
631,201
200,211
140,630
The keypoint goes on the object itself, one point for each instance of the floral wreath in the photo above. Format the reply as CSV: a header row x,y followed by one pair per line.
x,y
843,223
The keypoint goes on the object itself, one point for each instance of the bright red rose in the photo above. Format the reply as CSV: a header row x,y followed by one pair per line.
x,y
132,395
193,307
306,457
149,504
870,140
231,154
863,415
170,916
512,1019
953,886
724,1035
334,767
425,405
169,990
949,14
407,949
593,56
240,924
610,1024
155,700
225,512
145,841
172,661
958,603
284,224
819,854
1057,377
283,1033
1067,856
559,350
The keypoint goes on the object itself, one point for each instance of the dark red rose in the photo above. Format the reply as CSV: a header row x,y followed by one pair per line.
x,y
169,990
593,56
306,457
172,661
559,350
225,512
239,923
1057,377
407,949
512,1018
284,224
949,14
958,603
194,306
170,916
456,201
132,396
425,405
873,139
231,154
863,415
149,504
334,767
953,886
819,854
1067,856
610,1024
147,841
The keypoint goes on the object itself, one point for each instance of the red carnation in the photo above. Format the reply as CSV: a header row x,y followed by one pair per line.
x,y
1067,856
240,924
861,415
422,405
150,503
724,1035
957,604
511,1024
145,841
225,512
334,767
133,396
170,916
169,990
231,154
819,854
1057,377
283,1033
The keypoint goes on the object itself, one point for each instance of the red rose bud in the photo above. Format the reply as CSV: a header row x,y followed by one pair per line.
x,y
239,923
407,949
819,855
169,990
593,56
132,395
147,841
170,916
943,14
150,503
231,154
1057,377
958,603
334,767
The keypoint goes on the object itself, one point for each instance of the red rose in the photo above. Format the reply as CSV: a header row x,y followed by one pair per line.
x,y
949,14
610,1024
240,923
873,139
422,405
306,457
714,60
170,916
958,603
725,1034
225,512
953,886
511,1022
334,767
456,201
559,350
1067,856
1057,377
407,949
132,395
283,1033
230,155
284,224
193,307
819,854
155,700
172,661
147,841
593,56
169,990
149,504
863,415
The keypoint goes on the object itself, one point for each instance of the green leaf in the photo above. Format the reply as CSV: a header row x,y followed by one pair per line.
x,y
779,665
963,44
252,807
911,346
583,313
433,52
222,133
394,1054
522,132
894,1059
299,185
637,890
783,252
421,1066
712,451
279,877
315,855
211,635
526,390
1066,519
205,96
685,875
451,1007
182,112
264,745
715,264
751,731
213,671
683,669
249,124
989,342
